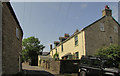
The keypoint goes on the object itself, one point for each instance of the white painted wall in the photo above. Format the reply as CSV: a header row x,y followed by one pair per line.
x,y
0,38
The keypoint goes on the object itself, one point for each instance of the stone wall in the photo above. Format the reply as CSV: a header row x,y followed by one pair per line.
x,y
69,66
54,66
95,38
62,66
11,44
0,38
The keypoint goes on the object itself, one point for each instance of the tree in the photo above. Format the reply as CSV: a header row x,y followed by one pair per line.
x,y
112,52
31,48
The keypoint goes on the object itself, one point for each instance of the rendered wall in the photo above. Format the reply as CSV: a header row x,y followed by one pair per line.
x,y
69,46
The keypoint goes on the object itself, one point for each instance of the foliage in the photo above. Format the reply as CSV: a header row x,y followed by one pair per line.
x,y
113,52
31,47
55,56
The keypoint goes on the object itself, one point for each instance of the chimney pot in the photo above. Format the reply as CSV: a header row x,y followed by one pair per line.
x,y
107,11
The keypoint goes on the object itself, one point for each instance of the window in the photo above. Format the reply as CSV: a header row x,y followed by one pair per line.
x,y
76,55
115,29
62,48
101,26
56,50
111,41
17,33
76,40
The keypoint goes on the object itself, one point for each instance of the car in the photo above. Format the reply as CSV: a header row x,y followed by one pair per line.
x,y
97,66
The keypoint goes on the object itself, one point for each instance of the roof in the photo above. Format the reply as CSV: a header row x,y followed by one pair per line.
x,y
45,53
83,30
13,13
45,57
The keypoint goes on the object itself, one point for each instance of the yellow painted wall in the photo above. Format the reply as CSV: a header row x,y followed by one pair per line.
x,y
69,46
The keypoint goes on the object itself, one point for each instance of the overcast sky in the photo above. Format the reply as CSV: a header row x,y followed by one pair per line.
x,y
50,20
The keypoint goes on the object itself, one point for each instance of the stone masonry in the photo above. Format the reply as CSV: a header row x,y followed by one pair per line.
x,y
0,38
96,39
10,40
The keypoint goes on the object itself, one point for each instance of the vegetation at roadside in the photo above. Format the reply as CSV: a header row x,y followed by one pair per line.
x,y
112,52
56,56
31,48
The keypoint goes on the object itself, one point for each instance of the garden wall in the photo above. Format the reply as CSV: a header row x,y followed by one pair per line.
x,y
61,66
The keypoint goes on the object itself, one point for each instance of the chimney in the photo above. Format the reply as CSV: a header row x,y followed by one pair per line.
x,y
107,11
56,43
76,31
62,38
66,35
50,46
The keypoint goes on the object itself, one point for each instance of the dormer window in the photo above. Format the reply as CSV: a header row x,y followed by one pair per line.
x,y
102,27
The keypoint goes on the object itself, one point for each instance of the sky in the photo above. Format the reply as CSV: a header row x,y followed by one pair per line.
x,y
50,20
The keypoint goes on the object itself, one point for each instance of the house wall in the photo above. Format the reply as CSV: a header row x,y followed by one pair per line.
x,y
95,39
0,38
11,44
69,46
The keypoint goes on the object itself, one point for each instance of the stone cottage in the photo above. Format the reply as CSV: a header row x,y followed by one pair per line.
x,y
100,33
10,40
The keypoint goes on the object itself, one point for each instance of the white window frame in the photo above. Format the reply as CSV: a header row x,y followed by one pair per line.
x,y
76,40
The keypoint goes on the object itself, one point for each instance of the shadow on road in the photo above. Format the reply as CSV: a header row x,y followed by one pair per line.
x,y
37,73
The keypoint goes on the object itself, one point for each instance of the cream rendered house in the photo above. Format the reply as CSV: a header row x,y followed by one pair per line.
x,y
100,33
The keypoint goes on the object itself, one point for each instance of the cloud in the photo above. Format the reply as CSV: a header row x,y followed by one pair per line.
x,y
84,5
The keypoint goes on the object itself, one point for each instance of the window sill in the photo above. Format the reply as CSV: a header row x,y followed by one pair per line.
x,y
76,45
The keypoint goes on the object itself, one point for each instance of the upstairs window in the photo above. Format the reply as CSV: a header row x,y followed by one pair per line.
x,y
115,29
76,40
102,27
17,33
62,48
56,50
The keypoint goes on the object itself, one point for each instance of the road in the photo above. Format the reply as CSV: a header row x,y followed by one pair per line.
x,y
36,71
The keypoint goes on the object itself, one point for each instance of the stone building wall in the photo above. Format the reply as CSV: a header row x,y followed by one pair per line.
x,y
95,38
11,44
0,39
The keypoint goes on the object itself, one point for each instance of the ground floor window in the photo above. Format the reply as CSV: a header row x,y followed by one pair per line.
x,y
76,55
68,57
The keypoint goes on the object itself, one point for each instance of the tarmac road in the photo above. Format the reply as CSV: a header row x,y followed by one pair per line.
x,y
36,71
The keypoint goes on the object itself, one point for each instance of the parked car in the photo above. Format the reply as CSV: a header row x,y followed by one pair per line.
x,y
96,66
